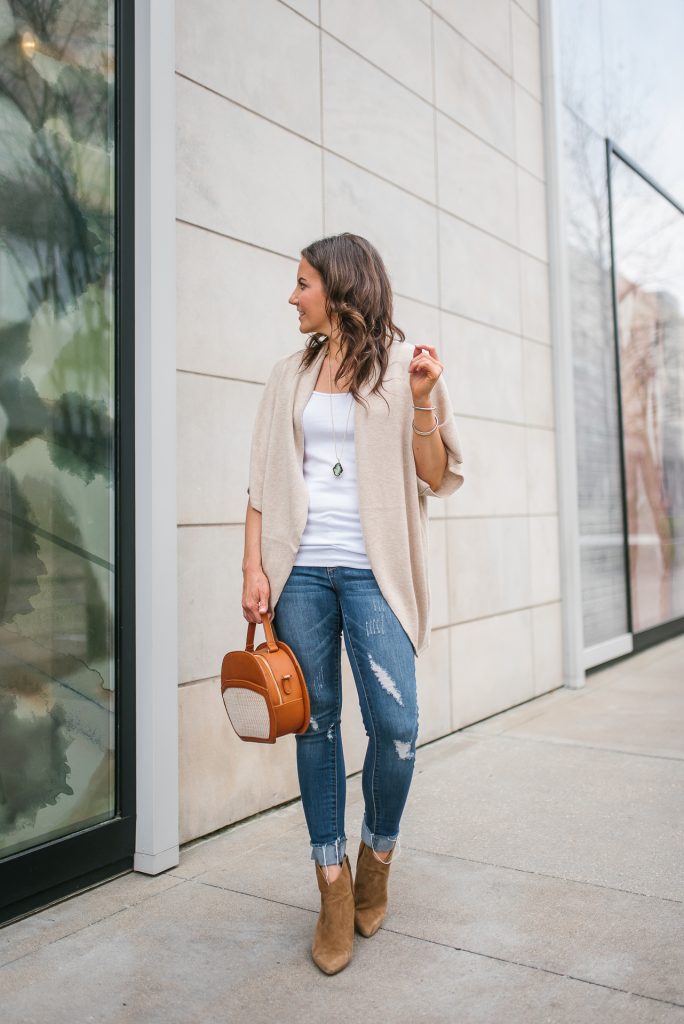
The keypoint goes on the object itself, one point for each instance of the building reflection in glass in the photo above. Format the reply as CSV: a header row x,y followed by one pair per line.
x,y
622,79
649,259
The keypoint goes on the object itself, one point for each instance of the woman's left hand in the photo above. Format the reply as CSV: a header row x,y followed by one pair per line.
x,y
424,370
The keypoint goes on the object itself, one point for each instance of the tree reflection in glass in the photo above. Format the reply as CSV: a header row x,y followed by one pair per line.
x,y
57,402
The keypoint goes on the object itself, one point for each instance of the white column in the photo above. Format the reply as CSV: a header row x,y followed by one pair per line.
x,y
156,845
561,338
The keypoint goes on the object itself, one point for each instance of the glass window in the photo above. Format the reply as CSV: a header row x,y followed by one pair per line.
x,y
601,521
648,235
57,407
621,79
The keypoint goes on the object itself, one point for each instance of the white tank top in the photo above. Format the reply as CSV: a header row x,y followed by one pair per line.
x,y
332,535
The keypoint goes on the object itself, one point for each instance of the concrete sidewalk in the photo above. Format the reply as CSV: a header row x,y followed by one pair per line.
x,y
540,879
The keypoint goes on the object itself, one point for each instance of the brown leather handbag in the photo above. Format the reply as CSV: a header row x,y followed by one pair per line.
x,y
263,690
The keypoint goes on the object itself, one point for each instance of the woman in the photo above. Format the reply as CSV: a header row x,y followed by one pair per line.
x,y
336,544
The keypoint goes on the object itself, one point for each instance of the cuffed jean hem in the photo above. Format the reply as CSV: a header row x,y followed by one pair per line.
x,y
377,842
329,853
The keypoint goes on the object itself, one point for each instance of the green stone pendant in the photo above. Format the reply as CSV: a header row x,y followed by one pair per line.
x,y
337,469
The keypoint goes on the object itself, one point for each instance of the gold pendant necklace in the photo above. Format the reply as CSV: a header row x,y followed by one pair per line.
x,y
337,468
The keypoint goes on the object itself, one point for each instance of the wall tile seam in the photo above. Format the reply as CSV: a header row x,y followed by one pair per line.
x,y
219,376
477,517
436,14
509,74
301,14
525,12
321,122
435,132
315,142
502,613
521,301
476,417
397,294
517,248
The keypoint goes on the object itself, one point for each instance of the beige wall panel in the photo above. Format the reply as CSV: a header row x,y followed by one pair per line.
x,y
228,179
538,384
213,447
491,665
484,369
254,186
210,598
402,227
541,487
420,323
227,48
526,53
234,319
392,34
544,563
437,563
377,123
489,566
485,23
496,468
529,138
307,8
476,182
531,7
532,213
534,292
473,90
479,275
547,647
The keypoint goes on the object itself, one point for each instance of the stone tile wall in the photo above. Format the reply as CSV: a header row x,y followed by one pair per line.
x,y
420,127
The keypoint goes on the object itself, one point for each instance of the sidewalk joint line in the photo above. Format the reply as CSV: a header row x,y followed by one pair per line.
x,y
90,924
670,758
459,949
543,874
532,967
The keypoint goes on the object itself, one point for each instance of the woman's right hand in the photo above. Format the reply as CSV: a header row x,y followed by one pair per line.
x,y
256,592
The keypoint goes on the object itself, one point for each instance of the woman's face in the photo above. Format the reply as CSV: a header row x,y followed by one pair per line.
x,y
309,298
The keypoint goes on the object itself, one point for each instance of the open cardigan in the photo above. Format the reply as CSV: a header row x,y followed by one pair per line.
x,y
392,497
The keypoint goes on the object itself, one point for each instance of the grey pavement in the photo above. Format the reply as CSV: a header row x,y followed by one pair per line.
x,y
540,879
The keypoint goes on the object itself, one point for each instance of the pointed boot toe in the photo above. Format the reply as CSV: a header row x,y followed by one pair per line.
x,y
334,935
370,891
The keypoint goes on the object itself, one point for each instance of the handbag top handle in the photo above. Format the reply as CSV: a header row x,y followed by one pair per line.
x,y
268,630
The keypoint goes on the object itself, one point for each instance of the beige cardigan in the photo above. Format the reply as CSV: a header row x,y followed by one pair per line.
x,y
392,497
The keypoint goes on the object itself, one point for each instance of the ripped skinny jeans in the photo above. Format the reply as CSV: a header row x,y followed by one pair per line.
x,y
316,607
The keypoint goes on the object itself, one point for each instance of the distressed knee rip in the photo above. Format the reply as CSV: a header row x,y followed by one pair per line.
x,y
314,727
385,680
403,749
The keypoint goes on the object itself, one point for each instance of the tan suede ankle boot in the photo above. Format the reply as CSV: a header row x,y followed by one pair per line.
x,y
370,890
334,935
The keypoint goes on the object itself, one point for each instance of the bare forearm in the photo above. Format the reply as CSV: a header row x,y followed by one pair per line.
x,y
429,452
252,553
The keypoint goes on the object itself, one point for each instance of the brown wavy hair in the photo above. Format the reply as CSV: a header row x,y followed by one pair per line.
x,y
358,291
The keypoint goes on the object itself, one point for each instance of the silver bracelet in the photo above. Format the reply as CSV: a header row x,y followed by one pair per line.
x,y
429,408
424,433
